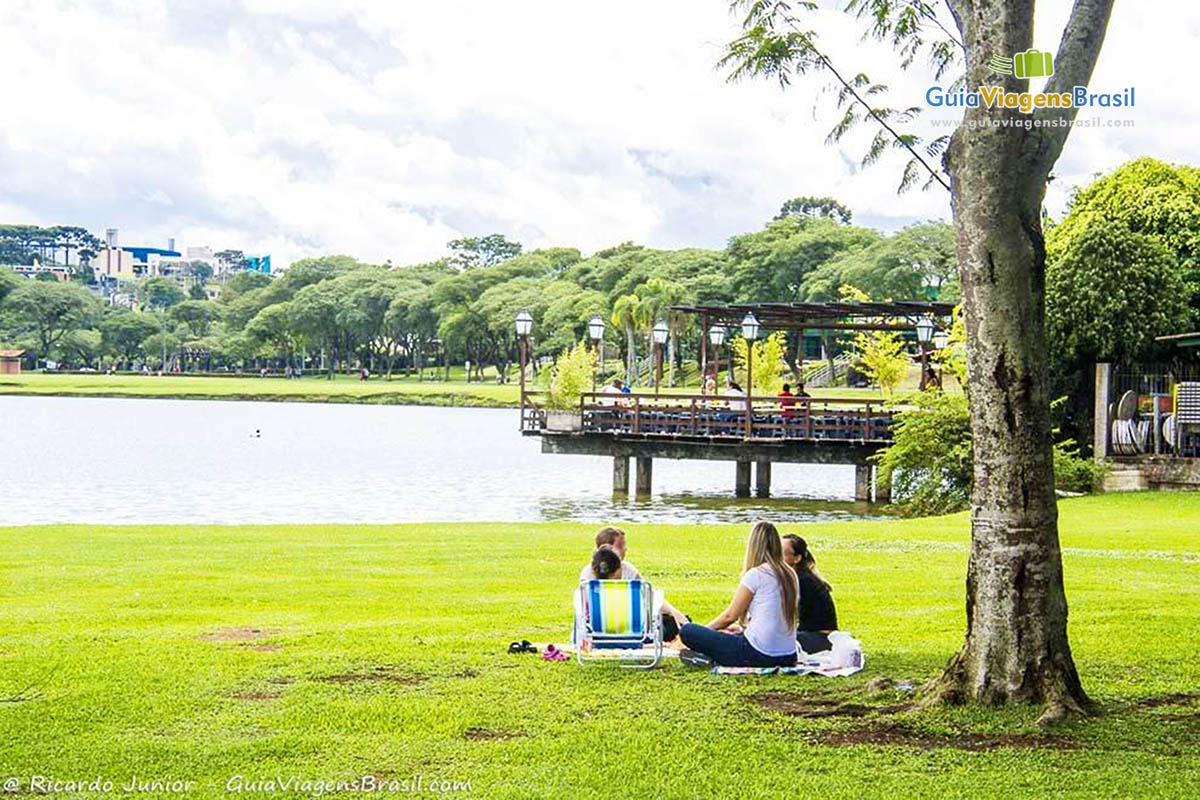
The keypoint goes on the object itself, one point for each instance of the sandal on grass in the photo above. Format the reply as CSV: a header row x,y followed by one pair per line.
x,y
523,646
552,653
694,659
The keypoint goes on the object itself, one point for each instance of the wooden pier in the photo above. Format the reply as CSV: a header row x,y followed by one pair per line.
x,y
757,431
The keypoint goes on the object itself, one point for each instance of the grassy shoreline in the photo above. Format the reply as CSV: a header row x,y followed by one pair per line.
x,y
334,651
342,389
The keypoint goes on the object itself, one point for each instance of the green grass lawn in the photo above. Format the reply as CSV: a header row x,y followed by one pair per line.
x,y
311,388
126,650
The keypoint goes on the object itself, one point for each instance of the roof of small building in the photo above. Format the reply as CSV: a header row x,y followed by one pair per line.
x,y
11,353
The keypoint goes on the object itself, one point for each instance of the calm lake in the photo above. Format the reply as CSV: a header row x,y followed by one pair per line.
x,y
101,460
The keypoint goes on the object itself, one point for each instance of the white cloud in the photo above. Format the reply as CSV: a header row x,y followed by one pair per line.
x,y
385,129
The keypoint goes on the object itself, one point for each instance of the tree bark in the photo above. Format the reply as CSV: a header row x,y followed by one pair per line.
x,y
1016,648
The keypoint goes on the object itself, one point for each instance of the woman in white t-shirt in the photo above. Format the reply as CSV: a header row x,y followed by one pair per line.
x,y
765,606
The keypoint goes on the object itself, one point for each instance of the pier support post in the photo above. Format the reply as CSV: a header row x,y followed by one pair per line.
x,y
741,486
762,478
645,473
862,482
621,475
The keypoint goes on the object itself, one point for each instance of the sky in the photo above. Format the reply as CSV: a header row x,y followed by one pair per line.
x,y
383,129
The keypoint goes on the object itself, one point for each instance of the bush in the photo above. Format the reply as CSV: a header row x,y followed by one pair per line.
x,y
1074,472
930,458
570,377
931,463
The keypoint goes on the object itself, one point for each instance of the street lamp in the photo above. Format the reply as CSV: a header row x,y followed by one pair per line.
x,y
716,335
660,333
925,328
596,332
941,339
524,325
749,333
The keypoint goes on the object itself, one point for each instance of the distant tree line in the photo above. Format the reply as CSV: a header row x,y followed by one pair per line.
x,y
338,312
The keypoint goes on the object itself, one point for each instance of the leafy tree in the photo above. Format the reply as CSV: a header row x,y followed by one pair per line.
x,y
123,332
818,207
197,315
49,311
159,293
1016,648
881,358
9,280
482,251
768,366
273,328
772,264
82,346
317,312
916,263
1147,197
246,281
1108,295
629,314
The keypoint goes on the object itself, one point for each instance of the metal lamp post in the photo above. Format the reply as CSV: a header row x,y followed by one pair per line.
x,y
596,332
925,327
524,325
716,335
660,333
749,333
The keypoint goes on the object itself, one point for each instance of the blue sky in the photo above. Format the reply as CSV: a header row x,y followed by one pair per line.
x,y
384,129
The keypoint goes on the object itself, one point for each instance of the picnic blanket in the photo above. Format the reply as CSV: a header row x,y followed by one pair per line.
x,y
845,658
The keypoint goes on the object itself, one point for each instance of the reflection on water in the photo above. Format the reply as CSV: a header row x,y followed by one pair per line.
x,y
104,460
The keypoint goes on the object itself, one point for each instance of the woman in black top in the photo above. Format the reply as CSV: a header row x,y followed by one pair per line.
x,y
817,616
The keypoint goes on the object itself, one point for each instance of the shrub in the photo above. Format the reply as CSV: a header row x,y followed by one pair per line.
x,y
1074,472
570,377
768,364
930,457
931,463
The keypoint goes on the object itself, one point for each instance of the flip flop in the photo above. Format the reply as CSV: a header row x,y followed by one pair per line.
x,y
552,653
523,646
693,659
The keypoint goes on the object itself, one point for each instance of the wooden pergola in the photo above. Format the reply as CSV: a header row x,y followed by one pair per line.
x,y
894,315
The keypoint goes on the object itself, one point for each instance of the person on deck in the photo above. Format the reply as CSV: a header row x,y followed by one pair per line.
x,y
612,392
764,603
816,616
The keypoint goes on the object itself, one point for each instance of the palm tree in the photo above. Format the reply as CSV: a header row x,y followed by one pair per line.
x,y
660,296
628,312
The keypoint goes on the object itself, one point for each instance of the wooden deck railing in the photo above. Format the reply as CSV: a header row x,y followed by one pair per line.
x,y
695,416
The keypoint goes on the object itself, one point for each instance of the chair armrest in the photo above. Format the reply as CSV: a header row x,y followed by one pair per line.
x,y
657,602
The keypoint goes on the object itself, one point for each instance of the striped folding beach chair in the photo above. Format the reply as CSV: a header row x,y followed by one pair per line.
x,y
618,621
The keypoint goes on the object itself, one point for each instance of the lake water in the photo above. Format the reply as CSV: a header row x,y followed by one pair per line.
x,y
102,460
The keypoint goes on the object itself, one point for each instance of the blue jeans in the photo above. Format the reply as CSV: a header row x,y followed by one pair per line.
x,y
729,649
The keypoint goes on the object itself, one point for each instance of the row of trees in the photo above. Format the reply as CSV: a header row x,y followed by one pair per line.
x,y
342,312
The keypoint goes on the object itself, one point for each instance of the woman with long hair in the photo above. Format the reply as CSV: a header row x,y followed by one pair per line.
x,y
764,604
817,617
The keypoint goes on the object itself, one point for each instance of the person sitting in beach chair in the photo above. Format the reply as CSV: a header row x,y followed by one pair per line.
x,y
614,539
617,619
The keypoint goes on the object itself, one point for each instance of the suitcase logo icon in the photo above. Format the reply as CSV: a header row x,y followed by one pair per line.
x,y
1030,64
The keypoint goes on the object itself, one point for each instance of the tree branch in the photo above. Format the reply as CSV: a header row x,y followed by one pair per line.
x,y
959,10
870,111
1073,66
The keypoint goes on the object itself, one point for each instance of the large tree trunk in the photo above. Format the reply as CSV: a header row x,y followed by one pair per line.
x,y
1016,647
